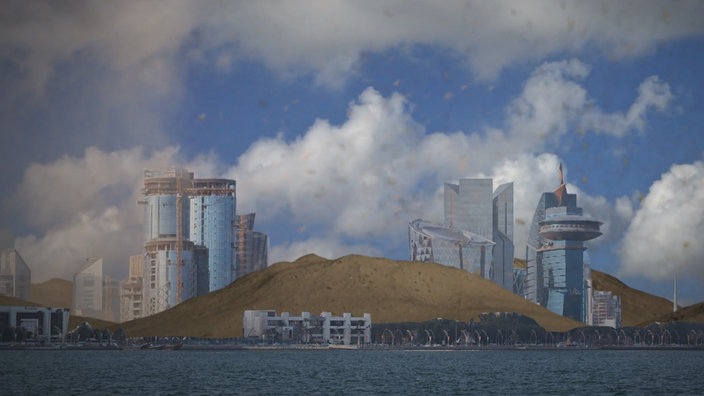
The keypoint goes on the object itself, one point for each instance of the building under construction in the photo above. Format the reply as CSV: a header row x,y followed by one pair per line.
x,y
190,237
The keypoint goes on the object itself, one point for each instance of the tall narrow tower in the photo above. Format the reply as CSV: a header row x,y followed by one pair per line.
x,y
556,266
168,261
212,218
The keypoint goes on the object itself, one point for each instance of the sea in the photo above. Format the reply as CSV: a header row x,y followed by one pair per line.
x,y
352,372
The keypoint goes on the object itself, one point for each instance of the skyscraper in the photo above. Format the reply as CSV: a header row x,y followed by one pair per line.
x,y
131,290
503,236
15,275
168,267
471,206
555,253
252,246
88,288
212,224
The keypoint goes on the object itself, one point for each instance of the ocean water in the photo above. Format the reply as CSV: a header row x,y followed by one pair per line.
x,y
357,372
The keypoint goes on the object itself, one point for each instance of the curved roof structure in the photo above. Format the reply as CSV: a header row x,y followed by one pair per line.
x,y
449,234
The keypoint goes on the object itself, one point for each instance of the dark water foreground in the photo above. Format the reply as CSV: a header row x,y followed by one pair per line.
x,y
324,372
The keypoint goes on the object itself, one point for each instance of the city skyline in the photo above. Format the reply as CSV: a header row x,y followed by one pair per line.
x,y
341,122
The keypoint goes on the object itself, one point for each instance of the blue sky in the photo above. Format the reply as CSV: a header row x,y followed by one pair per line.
x,y
341,121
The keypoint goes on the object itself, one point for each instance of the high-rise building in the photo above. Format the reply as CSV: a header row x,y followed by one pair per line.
x,y
88,289
169,270
471,206
15,275
555,253
212,224
131,290
449,246
252,247
606,309
503,236
190,237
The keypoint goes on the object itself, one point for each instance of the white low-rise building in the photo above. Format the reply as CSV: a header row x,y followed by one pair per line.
x,y
306,328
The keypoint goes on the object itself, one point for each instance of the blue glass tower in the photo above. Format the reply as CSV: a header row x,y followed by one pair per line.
x,y
212,225
168,261
555,253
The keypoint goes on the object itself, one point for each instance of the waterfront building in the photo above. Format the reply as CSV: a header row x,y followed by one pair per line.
x,y
15,275
440,244
42,323
606,309
88,288
131,290
252,247
212,221
325,328
555,253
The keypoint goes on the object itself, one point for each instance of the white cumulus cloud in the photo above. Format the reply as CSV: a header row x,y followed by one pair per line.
x,y
665,235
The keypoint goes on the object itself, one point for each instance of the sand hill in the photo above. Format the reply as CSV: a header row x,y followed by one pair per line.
x,y
53,293
637,307
392,291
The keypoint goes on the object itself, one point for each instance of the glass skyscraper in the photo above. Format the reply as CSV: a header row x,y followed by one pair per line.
x,y
555,253
169,271
252,247
471,206
212,220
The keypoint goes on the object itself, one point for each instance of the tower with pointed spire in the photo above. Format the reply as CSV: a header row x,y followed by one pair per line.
x,y
555,253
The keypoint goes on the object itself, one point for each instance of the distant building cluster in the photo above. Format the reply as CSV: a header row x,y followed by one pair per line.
x,y
268,326
95,294
195,242
477,232
15,275
477,236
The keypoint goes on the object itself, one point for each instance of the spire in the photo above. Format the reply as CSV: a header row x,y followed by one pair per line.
x,y
561,190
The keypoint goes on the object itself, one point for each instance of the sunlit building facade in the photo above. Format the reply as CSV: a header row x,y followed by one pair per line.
x,y
470,205
440,244
15,275
212,221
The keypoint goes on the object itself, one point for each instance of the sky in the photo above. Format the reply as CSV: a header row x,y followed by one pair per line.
x,y
341,120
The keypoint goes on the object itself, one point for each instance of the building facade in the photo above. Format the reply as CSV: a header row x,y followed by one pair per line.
x,y
88,289
606,309
40,323
15,275
169,270
212,224
132,289
326,328
471,206
252,247
503,254
440,244
555,254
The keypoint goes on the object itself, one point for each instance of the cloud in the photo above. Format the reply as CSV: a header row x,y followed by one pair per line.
x,y
358,183
81,207
665,235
